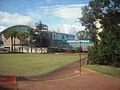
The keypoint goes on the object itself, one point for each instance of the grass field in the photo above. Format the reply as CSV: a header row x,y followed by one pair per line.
x,y
33,64
108,70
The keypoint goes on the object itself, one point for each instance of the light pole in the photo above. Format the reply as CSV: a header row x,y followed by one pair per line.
x,y
41,40
80,58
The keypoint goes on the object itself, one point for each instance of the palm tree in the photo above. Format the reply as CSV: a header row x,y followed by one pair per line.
x,y
39,28
30,35
14,35
22,36
11,33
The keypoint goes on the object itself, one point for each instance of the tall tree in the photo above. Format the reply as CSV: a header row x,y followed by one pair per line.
x,y
31,37
82,35
14,35
107,13
39,28
22,36
11,33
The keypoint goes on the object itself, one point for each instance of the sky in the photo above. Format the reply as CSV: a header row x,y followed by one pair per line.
x,y
59,15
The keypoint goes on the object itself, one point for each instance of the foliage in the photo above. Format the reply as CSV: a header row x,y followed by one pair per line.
x,y
106,50
22,36
11,33
41,33
82,35
1,42
32,37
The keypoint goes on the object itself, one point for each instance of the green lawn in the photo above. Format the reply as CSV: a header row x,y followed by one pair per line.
x,y
33,64
108,70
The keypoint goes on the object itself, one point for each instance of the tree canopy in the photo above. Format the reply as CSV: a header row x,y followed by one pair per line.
x,y
106,34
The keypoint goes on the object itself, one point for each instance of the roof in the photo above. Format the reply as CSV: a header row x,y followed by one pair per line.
x,y
62,33
25,27
20,28
78,41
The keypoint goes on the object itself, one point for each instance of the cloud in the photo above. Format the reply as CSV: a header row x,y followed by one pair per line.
x,y
65,14
8,19
68,28
2,28
72,28
69,12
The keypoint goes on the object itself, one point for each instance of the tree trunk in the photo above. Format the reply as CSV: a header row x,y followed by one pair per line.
x,y
41,43
36,50
27,48
14,44
11,44
31,49
31,45
22,48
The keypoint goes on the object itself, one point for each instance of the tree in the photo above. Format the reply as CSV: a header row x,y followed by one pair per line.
x,y
107,13
22,36
1,42
11,33
40,27
31,37
88,20
14,35
82,35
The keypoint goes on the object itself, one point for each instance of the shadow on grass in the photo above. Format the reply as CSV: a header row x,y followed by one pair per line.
x,y
63,72
22,78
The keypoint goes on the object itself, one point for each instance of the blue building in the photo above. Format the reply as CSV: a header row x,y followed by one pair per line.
x,y
58,41
62,36
68,42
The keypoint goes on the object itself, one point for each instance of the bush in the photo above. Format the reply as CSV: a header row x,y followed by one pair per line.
x,y
105,54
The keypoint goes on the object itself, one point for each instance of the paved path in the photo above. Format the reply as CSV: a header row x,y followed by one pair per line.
x,y
89,80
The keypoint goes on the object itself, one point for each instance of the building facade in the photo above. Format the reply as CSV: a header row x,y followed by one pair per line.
x,y
62,36
55,40
7,41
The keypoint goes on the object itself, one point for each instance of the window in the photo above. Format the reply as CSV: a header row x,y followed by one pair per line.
x,y
62,36
54,36
67,36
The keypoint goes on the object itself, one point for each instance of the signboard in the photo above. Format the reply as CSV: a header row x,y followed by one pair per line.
x,y
8,82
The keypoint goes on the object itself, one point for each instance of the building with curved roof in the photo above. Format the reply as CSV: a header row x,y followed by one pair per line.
x,y
7,42
19,28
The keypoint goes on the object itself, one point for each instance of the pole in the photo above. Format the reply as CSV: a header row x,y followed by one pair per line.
x,y
41,40
80,59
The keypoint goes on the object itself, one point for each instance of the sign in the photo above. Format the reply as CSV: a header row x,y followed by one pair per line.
x,y
8,82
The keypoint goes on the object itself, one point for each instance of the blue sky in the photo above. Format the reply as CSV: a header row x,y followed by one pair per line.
x,y
57,14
